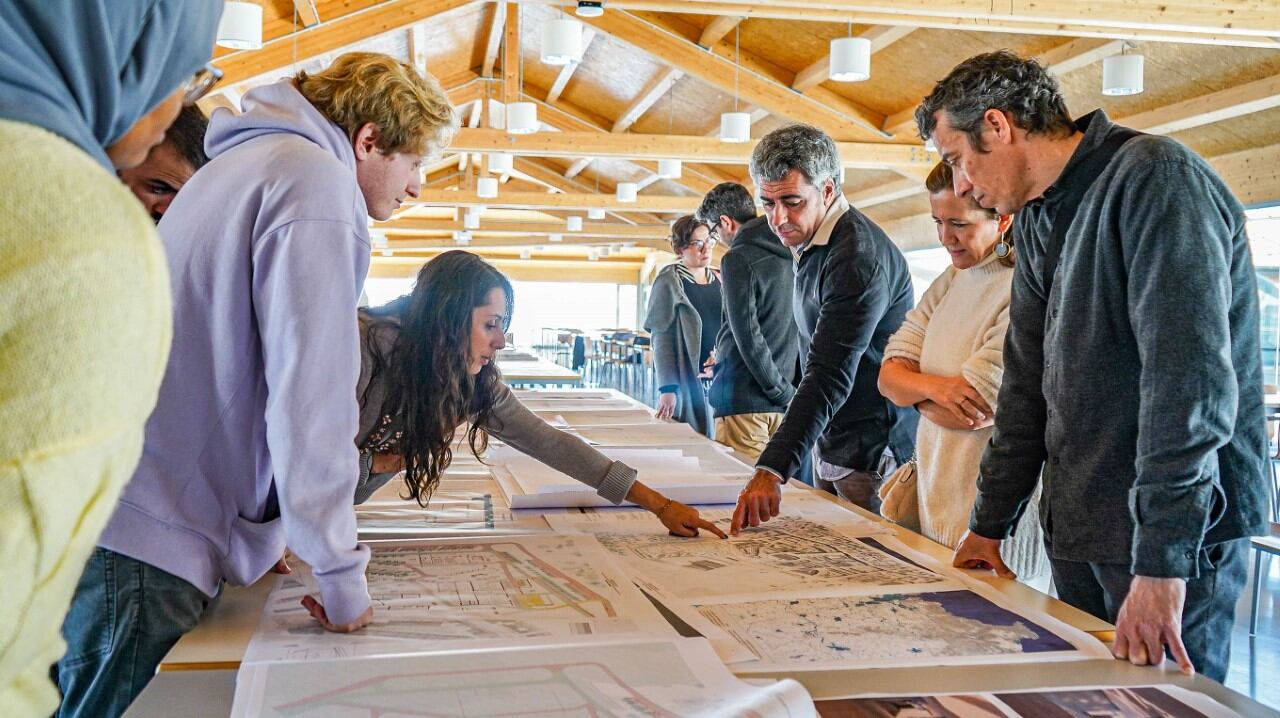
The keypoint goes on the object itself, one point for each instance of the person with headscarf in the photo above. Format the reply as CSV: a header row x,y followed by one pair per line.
x,y
86,89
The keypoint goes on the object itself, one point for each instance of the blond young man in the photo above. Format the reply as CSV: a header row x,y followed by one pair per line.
x,y
250,445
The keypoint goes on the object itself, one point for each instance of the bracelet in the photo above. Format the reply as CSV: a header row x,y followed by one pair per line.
x,y
665,506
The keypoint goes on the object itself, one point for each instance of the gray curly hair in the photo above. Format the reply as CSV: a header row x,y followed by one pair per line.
x,y
1002,81
796,147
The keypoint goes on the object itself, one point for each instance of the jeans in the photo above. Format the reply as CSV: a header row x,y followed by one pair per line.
x,y
861,488
124,618
1207,614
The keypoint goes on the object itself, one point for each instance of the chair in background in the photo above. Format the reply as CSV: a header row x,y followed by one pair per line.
x,y
1268,546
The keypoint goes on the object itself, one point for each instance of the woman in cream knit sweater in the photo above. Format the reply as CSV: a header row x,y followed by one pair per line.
x,y
946,360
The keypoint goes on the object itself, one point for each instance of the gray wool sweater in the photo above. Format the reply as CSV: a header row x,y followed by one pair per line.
x,y
511,422
1136,382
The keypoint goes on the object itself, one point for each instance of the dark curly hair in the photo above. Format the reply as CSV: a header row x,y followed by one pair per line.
x,y
432,391
1001,81
682,232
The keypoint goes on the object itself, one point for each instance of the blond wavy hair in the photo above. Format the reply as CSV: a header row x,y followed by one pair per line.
x,y
411,110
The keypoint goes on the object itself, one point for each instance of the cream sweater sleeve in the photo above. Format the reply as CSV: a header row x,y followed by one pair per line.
x,y
984,370
908,341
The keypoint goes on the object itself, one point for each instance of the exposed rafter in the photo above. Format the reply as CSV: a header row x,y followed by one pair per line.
x,y
566,72
511,79
717,29
515,230
881,36
493,38
1226,104
858,155
333,34
540,200
1244,24
839,117
305,11
418,47
652,92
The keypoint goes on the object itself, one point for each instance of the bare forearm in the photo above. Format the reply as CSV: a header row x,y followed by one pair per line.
x,y
903,384
947,420
646,498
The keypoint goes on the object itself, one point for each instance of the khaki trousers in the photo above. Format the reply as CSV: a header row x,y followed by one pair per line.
x,y
747,434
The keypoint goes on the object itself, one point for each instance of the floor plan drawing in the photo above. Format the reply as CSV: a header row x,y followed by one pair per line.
x,y
675,678
471,591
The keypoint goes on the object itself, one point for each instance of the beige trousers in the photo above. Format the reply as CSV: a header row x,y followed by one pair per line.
x,y
747,434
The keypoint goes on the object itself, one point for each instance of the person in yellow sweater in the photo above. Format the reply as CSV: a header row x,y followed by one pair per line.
x,y
87,87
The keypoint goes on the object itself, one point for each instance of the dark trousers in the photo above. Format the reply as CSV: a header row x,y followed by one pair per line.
x,y
1207,615
860,488
124,618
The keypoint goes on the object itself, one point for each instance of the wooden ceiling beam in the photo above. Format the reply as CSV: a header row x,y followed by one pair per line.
x,y
881,36
305,11
514,230
652,92
1218,106
542,171
717,29
1241,24
885,193
493,38
839,117
540,200
511,79
1060,60
566,72
333,34
631,146
418,47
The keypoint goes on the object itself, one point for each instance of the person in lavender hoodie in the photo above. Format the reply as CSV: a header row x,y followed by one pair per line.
x,y
250,444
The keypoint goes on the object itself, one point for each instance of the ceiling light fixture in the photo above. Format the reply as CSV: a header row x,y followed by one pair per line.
x,y
487,187
1122,74
240,27
850,58
627,191
595,213
561,41
590,8
735,126
573,223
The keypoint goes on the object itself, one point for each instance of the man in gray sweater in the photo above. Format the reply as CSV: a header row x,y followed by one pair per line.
x,y
757,350
1132,372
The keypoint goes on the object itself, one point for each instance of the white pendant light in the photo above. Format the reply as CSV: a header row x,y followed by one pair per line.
x,y
627,191
471,220
561,41
605,251
850,59
553,237
388,253
500,163
593,254
595,213
241,26
1122,75
735,127
589,8
463,237
525,253
573,223
487,187
522,118
669,169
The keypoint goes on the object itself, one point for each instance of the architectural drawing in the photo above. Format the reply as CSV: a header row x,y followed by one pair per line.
x,y
793,556
491,591
644,679
893,629
1164,701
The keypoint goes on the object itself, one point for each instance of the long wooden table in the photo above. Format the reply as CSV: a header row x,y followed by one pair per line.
x,y
201,667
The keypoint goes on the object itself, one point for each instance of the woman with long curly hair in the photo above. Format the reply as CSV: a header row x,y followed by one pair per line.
x,y
428,368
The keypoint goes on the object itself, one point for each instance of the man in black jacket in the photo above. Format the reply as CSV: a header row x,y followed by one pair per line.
x,y
852,290
757,362
1132,374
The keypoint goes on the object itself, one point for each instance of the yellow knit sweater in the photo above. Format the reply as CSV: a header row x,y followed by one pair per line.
x,y
84,334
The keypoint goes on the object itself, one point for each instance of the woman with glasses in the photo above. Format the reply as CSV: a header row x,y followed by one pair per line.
x,y
684,317
86,89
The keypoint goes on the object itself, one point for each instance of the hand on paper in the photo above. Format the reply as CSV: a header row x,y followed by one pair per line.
x,y
1150,619
976,551
760,501
387,463
317,612
963,401
682,520
666,406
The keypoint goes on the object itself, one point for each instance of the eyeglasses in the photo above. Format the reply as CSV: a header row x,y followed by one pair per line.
x,y
200,84
702,244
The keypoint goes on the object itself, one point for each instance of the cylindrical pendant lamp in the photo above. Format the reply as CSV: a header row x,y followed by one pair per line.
x,y
850,59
